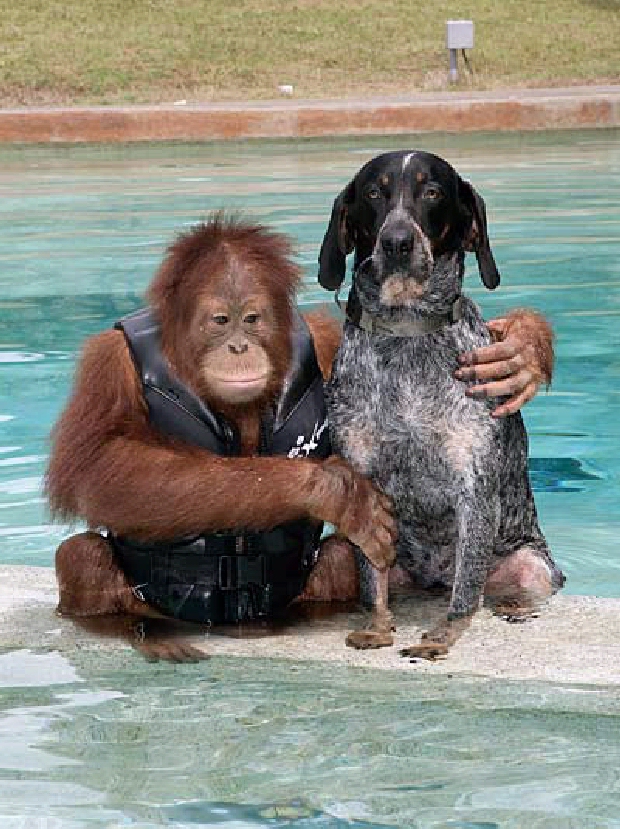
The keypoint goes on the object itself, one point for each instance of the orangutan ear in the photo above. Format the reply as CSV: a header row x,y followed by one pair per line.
x,y
339,240
476,236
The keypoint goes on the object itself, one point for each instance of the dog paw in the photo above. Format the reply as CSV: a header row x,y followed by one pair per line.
x,y
514,614
368,639
426,650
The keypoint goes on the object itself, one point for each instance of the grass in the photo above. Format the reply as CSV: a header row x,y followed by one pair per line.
x,y
142,51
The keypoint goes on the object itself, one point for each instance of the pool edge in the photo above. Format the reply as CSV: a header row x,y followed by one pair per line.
x,y
576,639
498,110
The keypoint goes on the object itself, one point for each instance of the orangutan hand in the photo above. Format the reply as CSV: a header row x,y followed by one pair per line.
x,y
350,502
515,365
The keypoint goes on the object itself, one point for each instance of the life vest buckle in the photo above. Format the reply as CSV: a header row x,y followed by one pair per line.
x,y
242,571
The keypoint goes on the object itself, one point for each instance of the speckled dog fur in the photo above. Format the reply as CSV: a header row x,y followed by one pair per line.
x,y
457,476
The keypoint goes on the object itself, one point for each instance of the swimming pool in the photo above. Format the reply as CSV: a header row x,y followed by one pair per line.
x,y
111,742
84,228
95,737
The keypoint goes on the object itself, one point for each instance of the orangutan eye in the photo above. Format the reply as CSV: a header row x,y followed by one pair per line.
x,y
220,319
432,193
251,319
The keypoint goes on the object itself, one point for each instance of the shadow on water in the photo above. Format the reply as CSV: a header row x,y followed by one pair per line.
x,y
293,814
559,475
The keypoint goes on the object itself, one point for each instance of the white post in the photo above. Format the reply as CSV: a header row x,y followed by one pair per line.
x,y
459,35
454,71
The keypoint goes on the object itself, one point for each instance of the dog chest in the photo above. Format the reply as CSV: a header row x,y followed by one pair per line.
x,y
394,402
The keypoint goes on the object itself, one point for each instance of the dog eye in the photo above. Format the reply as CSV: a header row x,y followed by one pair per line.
x,y
432,193
373,193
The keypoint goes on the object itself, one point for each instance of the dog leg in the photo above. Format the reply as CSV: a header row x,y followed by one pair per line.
x,y
477,520
520,584
374,586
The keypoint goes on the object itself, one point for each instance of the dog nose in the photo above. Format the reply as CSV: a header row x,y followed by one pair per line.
x,y
397,243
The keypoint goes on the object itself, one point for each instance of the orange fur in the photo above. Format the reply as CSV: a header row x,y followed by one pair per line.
x,y
534,329
110,468
326,333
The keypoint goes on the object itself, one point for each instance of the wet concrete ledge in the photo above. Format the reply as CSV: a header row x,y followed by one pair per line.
x,y
523,109
575,640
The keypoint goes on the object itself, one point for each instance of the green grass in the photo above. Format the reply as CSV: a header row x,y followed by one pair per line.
x,y
139,51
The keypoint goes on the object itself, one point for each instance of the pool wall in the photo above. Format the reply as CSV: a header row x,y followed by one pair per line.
x,y
497,110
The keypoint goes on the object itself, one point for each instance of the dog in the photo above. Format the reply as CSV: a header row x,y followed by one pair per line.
x,y
457,476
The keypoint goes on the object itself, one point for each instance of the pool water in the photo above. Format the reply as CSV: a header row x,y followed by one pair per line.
x,y
109,741
94,737
84,228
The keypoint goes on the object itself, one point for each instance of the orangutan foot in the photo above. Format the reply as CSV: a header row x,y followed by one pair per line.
x,y
158,645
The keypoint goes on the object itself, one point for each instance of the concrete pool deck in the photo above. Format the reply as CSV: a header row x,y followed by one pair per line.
x,y
576,107
575,640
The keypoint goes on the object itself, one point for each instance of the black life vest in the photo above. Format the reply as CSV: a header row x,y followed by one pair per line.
x,y
228,576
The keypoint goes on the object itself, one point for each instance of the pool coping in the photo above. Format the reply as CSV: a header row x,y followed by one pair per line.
x,y
575,640
577,107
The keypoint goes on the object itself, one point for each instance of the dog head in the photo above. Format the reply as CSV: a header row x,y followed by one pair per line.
x,y
401,212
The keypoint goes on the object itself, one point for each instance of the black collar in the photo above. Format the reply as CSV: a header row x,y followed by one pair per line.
x,y
401,328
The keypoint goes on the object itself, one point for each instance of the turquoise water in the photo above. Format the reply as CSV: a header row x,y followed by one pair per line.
x,y
83,229
109,741
94,737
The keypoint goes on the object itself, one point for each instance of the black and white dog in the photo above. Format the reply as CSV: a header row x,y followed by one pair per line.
x,y
458,477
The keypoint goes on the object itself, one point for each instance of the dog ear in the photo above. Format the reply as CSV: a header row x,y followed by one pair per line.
x,y
477,237
337,242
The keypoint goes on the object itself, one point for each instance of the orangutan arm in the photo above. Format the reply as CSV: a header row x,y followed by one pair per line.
x,y
326,333
111,469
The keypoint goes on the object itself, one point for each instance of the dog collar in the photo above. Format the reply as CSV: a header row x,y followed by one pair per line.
x,y
408,328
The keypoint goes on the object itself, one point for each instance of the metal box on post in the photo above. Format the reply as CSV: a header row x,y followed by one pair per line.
x,y
459,35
